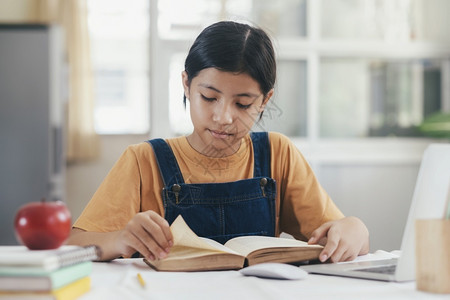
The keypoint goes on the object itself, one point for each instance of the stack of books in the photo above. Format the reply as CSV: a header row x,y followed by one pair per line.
x,y
62,273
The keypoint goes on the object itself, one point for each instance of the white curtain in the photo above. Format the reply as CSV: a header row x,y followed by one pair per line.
x,y
82,141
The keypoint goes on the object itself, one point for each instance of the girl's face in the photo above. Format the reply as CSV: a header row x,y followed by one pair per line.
x,y
223,106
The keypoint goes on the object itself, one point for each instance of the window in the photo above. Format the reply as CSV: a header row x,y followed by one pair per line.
x,y
346,68
179,117
180,20
119,32
379,97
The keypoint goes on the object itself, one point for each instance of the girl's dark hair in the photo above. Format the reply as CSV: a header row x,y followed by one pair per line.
x,y
233,47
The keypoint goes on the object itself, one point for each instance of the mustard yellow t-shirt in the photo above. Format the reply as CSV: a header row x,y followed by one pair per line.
x,y
134,184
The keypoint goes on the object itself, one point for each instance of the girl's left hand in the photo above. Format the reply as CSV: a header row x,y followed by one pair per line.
x,y
343,239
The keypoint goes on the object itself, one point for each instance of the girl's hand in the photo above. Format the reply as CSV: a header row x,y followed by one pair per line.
x,y
343,239
148,233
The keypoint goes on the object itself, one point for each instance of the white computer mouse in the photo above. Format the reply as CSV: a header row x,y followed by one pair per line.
x,y
275,271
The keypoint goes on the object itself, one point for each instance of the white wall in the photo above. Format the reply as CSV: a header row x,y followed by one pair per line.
x,y
83,179
379,194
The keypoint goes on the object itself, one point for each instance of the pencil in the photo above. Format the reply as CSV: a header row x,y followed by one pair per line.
x,y
141,280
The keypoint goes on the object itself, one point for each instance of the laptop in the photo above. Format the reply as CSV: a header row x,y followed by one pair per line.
x,y
430,200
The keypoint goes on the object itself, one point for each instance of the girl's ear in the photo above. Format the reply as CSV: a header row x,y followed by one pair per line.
x,y
265,101
185,80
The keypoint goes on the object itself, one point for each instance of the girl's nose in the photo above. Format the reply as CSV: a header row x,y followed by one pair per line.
x,y
223,114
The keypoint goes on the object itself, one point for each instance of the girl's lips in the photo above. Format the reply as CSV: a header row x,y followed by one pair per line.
x,y
219,134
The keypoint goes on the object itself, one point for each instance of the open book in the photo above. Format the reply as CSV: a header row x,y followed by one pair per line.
x,y
193,253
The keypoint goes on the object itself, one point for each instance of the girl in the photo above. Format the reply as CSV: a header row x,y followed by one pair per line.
x,y
223,180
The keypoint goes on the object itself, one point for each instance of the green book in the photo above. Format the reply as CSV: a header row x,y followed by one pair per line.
x,y
32,279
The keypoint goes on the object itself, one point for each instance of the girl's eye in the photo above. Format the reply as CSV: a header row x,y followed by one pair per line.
x,y
208,99
242,106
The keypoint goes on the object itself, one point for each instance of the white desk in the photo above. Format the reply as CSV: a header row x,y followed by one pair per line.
x,y
118,280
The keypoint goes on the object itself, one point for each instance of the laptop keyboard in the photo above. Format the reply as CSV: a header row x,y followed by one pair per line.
x,y
390,269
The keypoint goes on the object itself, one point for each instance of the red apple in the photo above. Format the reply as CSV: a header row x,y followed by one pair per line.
x,y
42,225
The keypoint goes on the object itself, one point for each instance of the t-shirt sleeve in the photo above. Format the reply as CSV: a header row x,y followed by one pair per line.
x,y
116,200
304,204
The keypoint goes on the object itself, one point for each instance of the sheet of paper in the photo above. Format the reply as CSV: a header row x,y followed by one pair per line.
x,y
248,244
184,236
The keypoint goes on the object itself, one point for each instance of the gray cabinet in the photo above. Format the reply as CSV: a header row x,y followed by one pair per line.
x,y
31,120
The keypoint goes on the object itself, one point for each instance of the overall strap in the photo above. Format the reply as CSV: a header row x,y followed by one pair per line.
x,y
261,150
167,163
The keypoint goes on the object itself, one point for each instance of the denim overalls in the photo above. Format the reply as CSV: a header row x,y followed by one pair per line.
x,y
221,211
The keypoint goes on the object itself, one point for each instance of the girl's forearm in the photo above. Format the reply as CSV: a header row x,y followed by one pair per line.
x,y
106,241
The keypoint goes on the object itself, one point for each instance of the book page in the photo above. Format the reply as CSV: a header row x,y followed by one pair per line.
x,y
218,245
247,244
185,237
187,252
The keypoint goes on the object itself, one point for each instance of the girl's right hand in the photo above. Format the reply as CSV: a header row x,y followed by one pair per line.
x,y
147,233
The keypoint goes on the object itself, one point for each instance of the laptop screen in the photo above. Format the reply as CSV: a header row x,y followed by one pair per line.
x,y
429,202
